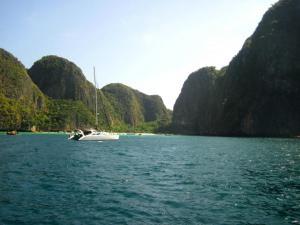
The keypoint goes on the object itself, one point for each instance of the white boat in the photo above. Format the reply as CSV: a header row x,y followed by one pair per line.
x,y
91,134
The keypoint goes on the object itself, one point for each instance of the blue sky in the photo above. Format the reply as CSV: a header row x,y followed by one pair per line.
x,y
148,45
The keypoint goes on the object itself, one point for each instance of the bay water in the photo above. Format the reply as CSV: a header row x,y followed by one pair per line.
x,y
47,179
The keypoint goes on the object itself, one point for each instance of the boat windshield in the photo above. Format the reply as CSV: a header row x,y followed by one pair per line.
x,y
86,132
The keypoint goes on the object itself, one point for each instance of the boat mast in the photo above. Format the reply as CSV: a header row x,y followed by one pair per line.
x,y
96,110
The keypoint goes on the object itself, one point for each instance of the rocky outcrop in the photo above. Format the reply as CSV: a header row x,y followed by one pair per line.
x,y
15,82
118,104
135,107
59,78
195,109
20,99
259,94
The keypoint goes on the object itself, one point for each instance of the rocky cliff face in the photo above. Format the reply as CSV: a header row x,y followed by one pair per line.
x,y
15,82
69,100
134,107
20,99
118,104
259,94
195,106
59,78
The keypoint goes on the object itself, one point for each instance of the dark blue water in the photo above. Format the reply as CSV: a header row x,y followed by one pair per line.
x,y
45,179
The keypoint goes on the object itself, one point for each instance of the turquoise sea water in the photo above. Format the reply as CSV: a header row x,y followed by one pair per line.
x,y
46,179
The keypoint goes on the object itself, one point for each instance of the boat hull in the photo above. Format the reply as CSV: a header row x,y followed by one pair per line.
x,y
93,135
13,132
111,137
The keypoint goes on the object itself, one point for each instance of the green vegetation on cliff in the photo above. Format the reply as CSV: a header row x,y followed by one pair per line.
x,y
120,107
134,107
59,78
69,100
68,115
259,93
21,102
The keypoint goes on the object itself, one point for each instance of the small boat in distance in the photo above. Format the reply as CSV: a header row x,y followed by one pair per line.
x,y
93,135
12,132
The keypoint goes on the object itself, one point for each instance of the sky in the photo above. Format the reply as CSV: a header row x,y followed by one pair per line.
x,y
151,46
